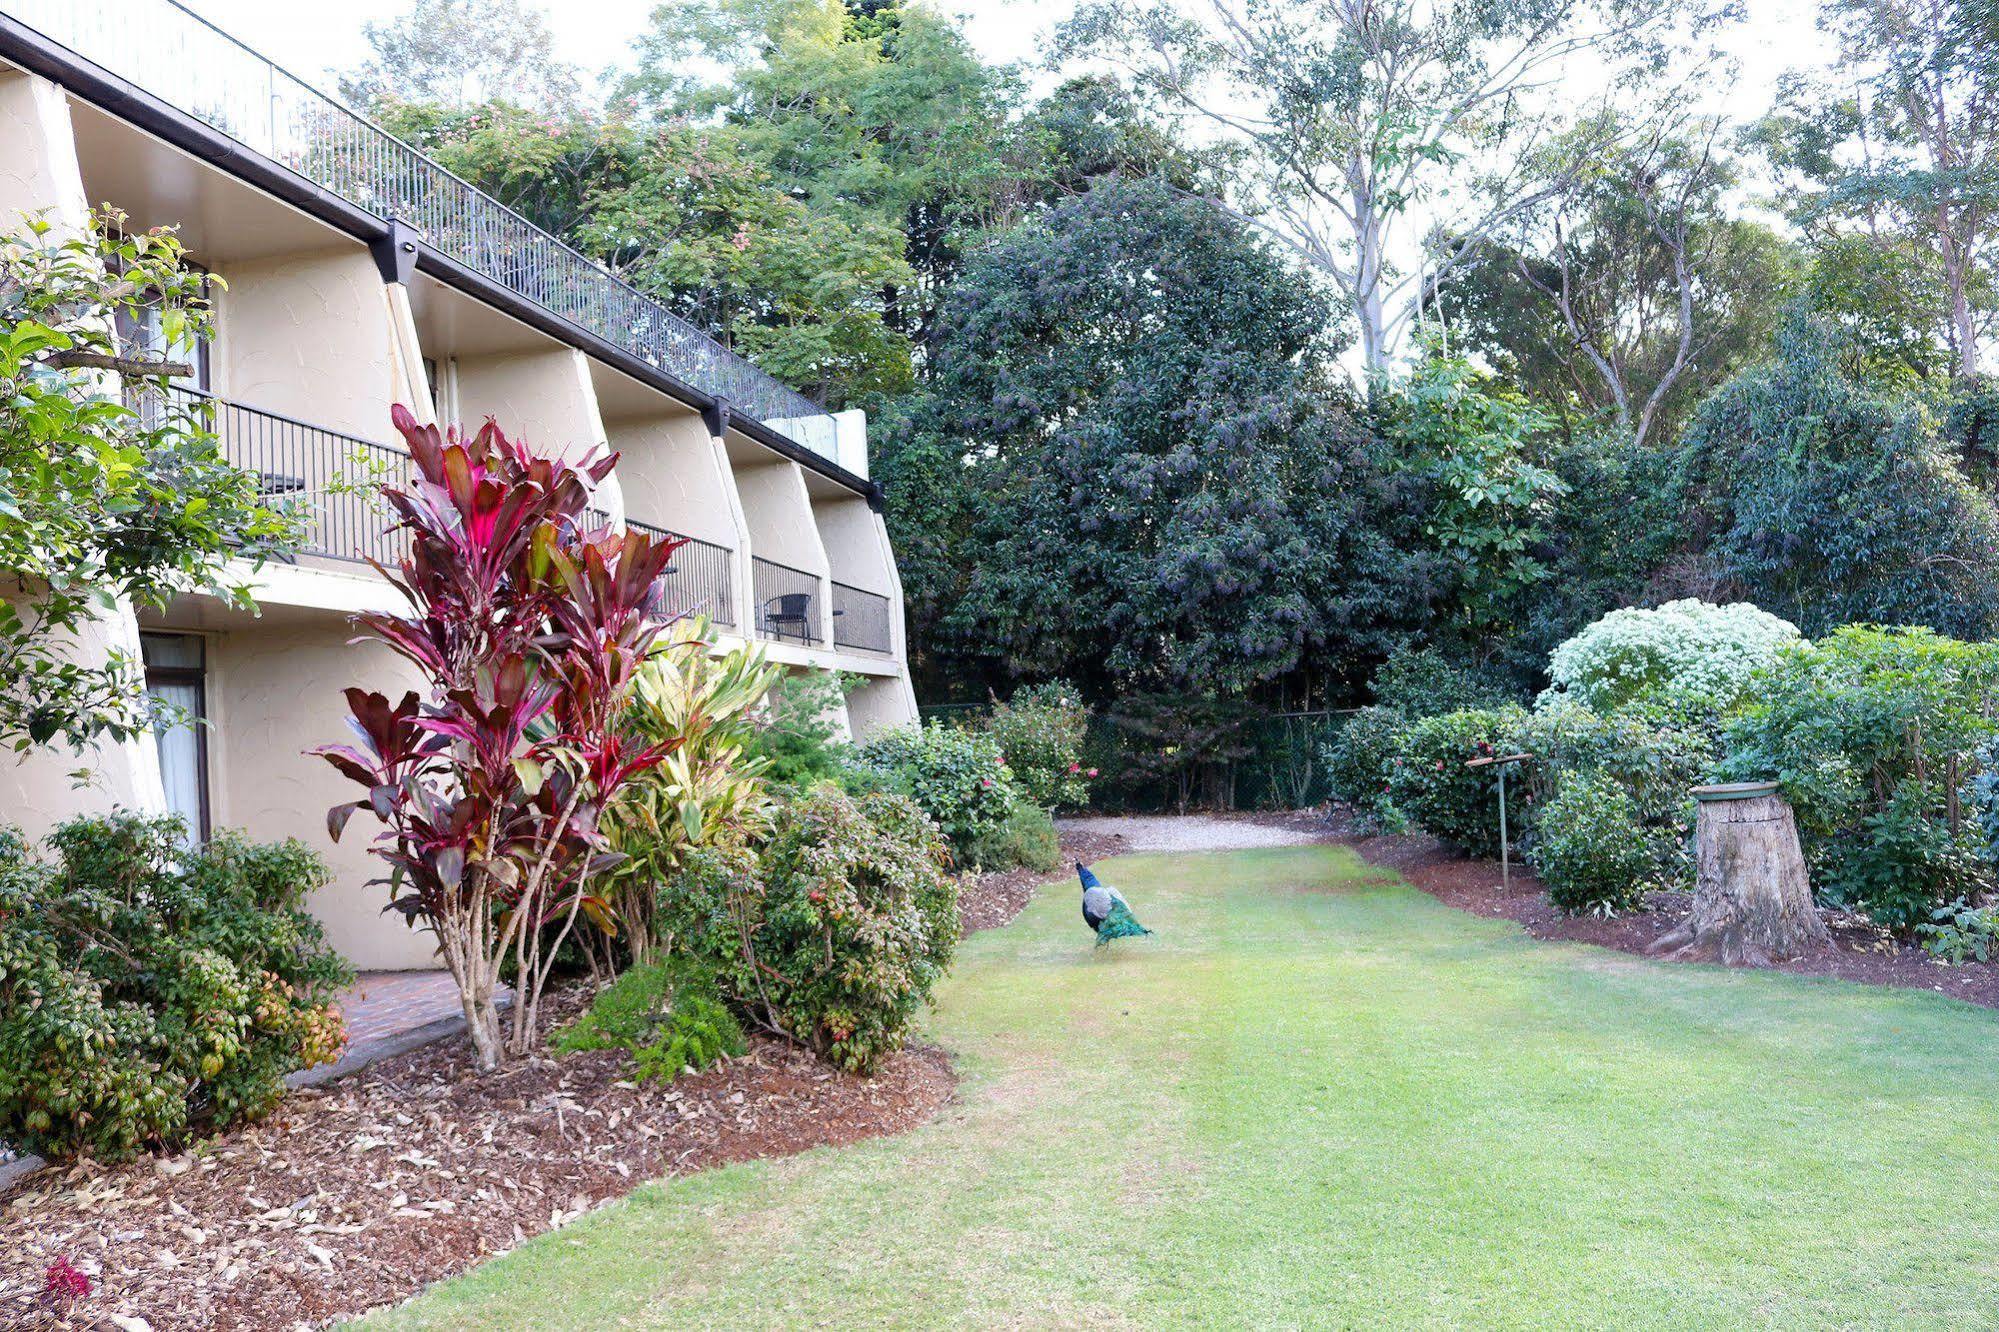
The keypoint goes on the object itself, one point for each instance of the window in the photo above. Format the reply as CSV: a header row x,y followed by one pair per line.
x,y
176,675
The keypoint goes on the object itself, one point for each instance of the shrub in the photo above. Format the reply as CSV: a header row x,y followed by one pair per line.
x,y
1428,778
148,993
1657,764
1591,849
668,1016
798,740
1040,730
837,932
1961,933
1423,682
1027,840
1867,730
1357,762
1699,654
957,776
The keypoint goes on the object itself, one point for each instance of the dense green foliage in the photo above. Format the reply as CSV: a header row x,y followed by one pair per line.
x,y
956,775
100,501
1357,761
1428,777
1685,654
1040,730
1025,840
797,739
1167,493
1868,730
150,994
1589,848
668,1016
836,930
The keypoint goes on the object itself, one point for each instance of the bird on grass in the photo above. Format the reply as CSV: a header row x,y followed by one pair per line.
x,y
1106,911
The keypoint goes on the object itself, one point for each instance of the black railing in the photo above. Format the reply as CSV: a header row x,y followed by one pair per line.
x,y
787,602
700,579
861,619
189,63
330,480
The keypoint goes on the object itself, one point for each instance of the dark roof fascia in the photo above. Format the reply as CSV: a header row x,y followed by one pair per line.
x,y
390,241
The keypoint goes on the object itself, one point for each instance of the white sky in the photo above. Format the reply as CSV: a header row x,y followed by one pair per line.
x,y
313,40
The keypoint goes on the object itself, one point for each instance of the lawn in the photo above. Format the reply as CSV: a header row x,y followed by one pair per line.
x,y
1319,1098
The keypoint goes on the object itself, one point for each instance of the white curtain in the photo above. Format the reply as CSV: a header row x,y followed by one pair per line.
x,y
180,754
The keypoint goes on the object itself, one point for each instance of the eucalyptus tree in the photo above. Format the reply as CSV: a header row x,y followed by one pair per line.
x,y
458,53
1385,141
1898,145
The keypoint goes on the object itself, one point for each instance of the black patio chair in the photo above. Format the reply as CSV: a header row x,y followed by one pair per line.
x,y
790,612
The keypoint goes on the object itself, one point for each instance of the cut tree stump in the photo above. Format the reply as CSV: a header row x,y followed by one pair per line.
x,y
1752,899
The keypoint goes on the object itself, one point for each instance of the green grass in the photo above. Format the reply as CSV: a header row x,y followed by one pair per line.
x,y
1318,1098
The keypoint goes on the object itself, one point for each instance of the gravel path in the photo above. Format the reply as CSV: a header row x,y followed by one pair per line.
x,y
1189,832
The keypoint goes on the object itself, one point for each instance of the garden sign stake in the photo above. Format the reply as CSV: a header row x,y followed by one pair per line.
x,y
1503,762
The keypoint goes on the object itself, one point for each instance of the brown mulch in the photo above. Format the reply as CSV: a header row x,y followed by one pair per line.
x,y
1861,950
986,901
362,1192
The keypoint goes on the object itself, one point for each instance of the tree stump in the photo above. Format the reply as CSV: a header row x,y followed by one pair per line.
x,y
1752,899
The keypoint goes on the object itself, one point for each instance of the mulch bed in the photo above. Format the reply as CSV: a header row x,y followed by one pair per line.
x,y
1861,950
360,1193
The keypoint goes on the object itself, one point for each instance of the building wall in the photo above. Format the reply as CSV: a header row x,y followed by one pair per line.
x,y
672,476
274,691
780,515
310,336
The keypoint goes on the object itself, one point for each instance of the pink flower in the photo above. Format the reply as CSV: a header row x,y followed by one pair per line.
x,y
741,240
1075,767
986,782
1093,772
63,1285
1440,765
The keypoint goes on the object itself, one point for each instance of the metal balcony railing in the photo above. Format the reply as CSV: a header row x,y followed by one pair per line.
x,y
861,619
699,580
329,479
787,607
179,57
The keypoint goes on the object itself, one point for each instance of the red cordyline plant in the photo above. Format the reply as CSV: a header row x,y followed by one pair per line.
x,y
527,625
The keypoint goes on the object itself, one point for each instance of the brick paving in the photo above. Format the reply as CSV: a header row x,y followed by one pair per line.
x,y
388,1003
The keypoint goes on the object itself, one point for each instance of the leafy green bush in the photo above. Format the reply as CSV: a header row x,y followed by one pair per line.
x,y
798,741
957,776
1040,731
1591,849
1961,933
668,1016
1357,763
1701,654
1428,778
148,993
1656,763
837,931
1027,840
1867,730
1423,682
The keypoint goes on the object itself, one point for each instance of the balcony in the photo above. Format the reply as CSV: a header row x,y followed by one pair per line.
x,y
861,620
787,603
183,60
699,581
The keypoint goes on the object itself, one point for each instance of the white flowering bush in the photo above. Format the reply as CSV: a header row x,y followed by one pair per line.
x,y
1688,651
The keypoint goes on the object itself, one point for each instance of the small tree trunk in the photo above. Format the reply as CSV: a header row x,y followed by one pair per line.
x,y
1752,899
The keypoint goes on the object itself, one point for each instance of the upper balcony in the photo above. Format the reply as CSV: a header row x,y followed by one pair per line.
x,y
165,50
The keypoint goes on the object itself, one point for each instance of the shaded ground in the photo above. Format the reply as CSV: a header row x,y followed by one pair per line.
x,y
1320,1098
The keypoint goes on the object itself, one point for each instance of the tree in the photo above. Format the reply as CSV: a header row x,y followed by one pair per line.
x,y
1629,289
527,630
458,53
112,488
880,115
1363,126
1145,481
1812,492
1900,144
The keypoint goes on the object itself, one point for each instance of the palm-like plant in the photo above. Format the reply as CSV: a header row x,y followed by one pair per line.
x,y
528,627
705,791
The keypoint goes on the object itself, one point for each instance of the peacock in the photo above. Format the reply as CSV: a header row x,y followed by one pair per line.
x,y
1106,911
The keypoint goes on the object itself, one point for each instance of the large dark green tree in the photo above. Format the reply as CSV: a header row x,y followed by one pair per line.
x,y
1129,468
1819,496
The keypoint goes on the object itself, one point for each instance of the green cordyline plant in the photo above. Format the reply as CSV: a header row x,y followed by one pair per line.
x,y
528,627
706,791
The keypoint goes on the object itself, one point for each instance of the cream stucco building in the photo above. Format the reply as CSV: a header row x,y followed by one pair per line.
x,y
358,274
